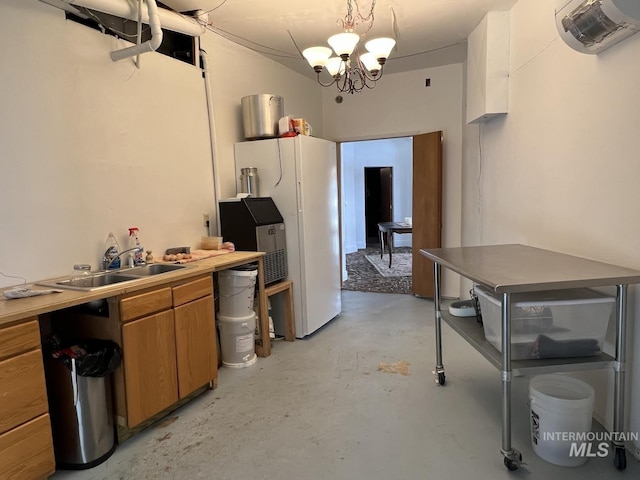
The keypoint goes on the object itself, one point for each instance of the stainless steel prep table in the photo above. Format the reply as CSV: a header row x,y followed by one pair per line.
x,y
509,269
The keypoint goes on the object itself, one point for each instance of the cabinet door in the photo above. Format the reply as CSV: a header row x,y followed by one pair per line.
x,y
196,345
149,366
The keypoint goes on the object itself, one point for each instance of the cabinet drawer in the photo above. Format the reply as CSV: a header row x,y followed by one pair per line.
x,y
145,304
193,290
26,452
22,388
19,338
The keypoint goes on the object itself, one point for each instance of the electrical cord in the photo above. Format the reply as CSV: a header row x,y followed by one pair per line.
x,y
232,38
215,8
280,160
24,280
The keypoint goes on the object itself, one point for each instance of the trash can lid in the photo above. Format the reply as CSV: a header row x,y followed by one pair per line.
x,y
245,268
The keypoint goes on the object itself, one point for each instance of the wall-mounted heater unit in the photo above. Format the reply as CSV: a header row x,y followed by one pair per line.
x,y
591,26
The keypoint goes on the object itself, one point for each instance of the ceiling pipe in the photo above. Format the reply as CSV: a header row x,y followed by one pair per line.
x,y
128,9
150,45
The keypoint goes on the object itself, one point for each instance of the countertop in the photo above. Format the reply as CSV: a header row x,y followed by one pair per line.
x,y
13,311
519,268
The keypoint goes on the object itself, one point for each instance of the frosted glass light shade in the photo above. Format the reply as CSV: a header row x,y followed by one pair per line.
x,y
335,66
317,56
344,43
380,47
370,62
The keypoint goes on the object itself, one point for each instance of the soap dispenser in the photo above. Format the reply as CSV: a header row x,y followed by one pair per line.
x,y
111,260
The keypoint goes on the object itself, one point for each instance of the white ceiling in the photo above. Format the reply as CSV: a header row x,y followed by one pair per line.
x,y
428,32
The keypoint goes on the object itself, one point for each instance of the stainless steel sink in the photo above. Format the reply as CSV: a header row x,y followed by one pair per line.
x,y
154,269
98,280
90,282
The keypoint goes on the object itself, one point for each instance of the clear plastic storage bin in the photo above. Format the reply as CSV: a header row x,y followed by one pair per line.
x,y
549,324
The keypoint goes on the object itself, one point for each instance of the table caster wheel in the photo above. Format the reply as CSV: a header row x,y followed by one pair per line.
x,y
620,458
510,464
439,376
513,464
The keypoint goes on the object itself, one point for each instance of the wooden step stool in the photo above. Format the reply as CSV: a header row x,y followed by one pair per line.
x,y
285,287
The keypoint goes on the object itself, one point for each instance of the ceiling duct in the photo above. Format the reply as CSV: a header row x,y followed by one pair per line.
x,y
592,26
169,19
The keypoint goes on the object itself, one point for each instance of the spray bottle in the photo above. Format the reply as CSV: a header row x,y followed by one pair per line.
x,y
137,255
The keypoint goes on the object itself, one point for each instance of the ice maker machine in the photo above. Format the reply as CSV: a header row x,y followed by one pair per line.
x,y
255,224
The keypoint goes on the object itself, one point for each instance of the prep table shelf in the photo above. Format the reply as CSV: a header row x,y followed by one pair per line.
x,y
509,269
472,332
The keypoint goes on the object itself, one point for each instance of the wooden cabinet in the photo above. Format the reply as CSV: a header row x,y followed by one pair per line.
x,y
488,68
196,350
149,366
26,446
169,343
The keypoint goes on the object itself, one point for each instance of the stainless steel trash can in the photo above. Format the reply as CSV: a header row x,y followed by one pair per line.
x,y
81,414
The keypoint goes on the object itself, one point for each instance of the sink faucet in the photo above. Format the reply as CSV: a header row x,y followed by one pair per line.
x,y
106,263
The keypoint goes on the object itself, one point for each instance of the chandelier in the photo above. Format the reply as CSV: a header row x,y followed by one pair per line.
x,y
351,71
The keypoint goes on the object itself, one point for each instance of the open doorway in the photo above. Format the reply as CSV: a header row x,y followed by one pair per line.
x,y
415,172
378,203
362,159
375,183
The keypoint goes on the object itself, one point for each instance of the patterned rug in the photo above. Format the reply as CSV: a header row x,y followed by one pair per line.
x,y
400,264
363,277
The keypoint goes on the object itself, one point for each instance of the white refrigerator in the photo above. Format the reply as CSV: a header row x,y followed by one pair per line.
x,y
300,174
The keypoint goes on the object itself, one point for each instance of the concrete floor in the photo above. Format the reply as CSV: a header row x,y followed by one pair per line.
x,y
354,401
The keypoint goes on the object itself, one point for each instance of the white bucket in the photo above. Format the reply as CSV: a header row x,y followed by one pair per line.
x,y
237,288
561,408
237,340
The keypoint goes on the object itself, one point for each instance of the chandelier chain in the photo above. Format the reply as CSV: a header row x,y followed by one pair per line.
x,y
349,22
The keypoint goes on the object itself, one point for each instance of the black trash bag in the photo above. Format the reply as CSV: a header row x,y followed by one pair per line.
x,y
93,358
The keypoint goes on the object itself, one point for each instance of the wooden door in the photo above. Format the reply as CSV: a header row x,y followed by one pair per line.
x,y
427,208
196,349
149,366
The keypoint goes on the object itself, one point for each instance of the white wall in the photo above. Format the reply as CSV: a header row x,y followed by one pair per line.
x,y
401,105
90,146
356,156
237,72
560,170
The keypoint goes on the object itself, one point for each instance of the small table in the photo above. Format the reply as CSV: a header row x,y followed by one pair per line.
x,y
387,229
